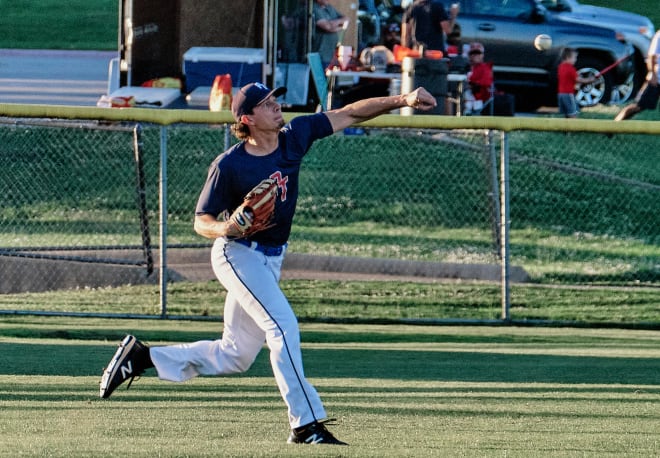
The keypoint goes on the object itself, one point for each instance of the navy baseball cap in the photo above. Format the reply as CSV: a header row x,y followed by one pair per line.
x,y
250,96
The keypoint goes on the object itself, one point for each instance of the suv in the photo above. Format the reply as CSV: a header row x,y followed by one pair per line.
x,y
508,30
636,29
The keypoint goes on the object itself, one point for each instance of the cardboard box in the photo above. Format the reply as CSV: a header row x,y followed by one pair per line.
x,y
201,65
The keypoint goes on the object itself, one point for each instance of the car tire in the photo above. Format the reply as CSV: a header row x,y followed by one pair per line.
x,y
600,91
624,91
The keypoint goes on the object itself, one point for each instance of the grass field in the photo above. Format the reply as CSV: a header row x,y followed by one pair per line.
x,y
78,24
395,391
393,302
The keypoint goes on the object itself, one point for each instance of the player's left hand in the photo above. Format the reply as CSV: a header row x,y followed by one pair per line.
x,y
421,99
256,212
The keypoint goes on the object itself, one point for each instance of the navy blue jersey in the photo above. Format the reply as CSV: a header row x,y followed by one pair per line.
x,y
235,172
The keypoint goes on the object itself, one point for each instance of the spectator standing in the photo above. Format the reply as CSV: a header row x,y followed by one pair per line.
x,y
567,78
649,93
425,24
328,22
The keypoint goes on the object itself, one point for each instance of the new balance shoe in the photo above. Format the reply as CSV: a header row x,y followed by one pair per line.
x,y
314,433
130,361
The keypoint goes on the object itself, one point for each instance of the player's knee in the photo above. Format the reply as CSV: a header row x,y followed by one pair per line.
x,y
239,365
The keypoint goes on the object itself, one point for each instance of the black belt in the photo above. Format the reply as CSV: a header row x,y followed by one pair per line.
x,y
265,249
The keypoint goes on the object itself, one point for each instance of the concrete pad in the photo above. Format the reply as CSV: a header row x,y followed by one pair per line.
x,y
33,76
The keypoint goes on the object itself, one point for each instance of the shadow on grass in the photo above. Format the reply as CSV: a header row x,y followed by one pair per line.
x,y
413,365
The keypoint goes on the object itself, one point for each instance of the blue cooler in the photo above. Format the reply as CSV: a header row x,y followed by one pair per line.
x,y
201,65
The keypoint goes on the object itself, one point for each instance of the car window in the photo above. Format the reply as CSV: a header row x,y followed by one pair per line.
x,y
556,5
513,9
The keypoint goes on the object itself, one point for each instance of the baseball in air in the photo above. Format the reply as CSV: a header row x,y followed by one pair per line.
x,y
543,42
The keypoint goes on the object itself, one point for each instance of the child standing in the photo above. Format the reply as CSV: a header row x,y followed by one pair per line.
x,y
567,78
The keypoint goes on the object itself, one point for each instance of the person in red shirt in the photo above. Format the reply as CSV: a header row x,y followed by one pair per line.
x,y
480,79
567,78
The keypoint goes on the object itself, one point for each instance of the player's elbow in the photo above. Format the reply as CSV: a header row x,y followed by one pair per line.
x,y
197,226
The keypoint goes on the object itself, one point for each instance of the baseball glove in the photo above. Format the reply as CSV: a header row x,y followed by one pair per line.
x,y
256,212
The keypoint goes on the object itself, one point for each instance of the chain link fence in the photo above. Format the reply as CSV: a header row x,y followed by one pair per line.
x,y
585,208
82,206
69,199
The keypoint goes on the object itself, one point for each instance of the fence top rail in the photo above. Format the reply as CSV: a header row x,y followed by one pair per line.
x,y
167,117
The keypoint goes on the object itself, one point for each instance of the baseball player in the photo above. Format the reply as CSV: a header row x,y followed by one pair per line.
x,y
649,93
261,172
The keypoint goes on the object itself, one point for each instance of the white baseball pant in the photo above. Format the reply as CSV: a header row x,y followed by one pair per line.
x,y
256,311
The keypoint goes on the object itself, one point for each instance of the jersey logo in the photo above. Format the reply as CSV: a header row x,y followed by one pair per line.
x,y
281,183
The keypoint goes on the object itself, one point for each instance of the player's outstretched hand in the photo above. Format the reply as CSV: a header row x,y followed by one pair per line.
x,y
420,99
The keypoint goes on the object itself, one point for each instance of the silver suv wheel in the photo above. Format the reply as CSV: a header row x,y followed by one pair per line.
x,y
590,94
623,92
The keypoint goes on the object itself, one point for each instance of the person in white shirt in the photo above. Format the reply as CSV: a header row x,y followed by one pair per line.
x,y
649,93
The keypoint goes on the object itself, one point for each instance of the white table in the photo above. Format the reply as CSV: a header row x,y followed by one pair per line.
x,y
395,83
147,97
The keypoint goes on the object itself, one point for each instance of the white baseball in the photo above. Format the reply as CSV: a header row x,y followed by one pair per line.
x,y
543,42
